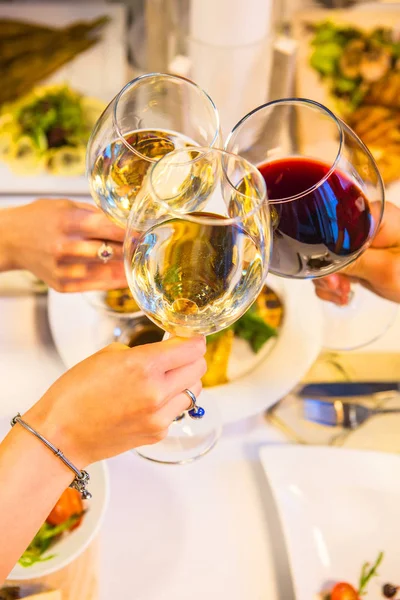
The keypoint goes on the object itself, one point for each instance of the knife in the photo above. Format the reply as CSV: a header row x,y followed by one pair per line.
x,y
342,403
347,388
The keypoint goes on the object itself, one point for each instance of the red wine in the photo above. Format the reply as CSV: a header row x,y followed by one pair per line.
x,y
319,232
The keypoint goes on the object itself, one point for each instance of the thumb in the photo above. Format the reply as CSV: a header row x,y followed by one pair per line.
x,y
379,271
370,266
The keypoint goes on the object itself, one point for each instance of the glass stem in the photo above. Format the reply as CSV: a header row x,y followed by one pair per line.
x,y
351,294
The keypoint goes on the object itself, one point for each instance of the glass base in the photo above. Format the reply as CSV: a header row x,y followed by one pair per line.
x,y
188,439
365,319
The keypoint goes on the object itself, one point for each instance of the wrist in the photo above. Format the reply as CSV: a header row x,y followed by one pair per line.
x,y
56,432
24,445
9,252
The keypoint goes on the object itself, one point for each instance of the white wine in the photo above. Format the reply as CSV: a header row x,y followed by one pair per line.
x,y
196,276
119,174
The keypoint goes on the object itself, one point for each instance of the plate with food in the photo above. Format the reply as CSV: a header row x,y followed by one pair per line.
x,y
350,61
250,365
69,528
61,65
115,303
337,509
46,132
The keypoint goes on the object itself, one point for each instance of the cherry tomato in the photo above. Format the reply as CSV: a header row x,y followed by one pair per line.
x,y
344,591
70,503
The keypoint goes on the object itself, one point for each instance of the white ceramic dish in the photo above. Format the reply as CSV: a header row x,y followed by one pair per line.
x,y
70,546
79,330
338,509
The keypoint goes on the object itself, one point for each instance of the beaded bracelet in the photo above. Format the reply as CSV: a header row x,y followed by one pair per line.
x,y
81,477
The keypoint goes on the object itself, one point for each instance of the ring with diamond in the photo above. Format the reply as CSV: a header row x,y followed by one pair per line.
x,y
105,252
194,411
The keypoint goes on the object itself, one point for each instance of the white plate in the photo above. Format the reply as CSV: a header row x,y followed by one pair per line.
x,y
79,330
99,72
70,546
339,508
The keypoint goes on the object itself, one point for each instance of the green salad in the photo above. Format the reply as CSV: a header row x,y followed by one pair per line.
x,y
47,131
351,59
44,539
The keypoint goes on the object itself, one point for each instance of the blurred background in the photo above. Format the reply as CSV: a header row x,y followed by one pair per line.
x,y
243,53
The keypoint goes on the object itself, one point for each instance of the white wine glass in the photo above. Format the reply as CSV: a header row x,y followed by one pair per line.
x,y
197,250
151,116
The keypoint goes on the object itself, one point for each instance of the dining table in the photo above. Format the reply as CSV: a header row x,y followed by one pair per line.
x,y
208,529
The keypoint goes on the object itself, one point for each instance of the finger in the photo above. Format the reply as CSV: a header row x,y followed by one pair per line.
x,y
369,265
330,296
93,224
90,271
180,379
81,205
81,285
87,250
176,406
388,235
379,271
113,347
330,282
85,278
177,352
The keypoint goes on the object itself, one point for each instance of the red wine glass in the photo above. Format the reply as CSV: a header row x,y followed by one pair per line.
x,y
327,200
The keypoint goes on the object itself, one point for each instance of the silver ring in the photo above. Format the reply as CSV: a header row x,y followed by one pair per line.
x,y
105,252
193,399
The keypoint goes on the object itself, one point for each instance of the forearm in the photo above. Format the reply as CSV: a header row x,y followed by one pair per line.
x,y
8,225
32,480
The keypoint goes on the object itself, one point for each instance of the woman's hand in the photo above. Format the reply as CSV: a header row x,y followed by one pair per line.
x,y
120,398
113,401
378,268
58,241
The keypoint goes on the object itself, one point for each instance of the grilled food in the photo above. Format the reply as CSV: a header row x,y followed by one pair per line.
x,y
379,128
217,358
31,53
362,71
257,326
121,301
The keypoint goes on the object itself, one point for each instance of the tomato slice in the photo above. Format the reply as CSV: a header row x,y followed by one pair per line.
x,y
344,591
69,504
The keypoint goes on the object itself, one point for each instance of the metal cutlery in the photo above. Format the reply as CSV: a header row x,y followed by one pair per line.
x,y
343,404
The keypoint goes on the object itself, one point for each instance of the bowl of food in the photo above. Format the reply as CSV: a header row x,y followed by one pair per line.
x,y
68,530
46,131
349,61
262,356
232,352
250,366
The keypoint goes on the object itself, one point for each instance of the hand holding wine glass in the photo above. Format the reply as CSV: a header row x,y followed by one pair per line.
x,y
378,268
59,240
136,392
196,255
327,201
111,402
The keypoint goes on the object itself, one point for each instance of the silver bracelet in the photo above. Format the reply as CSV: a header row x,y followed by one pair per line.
x,y
81,477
